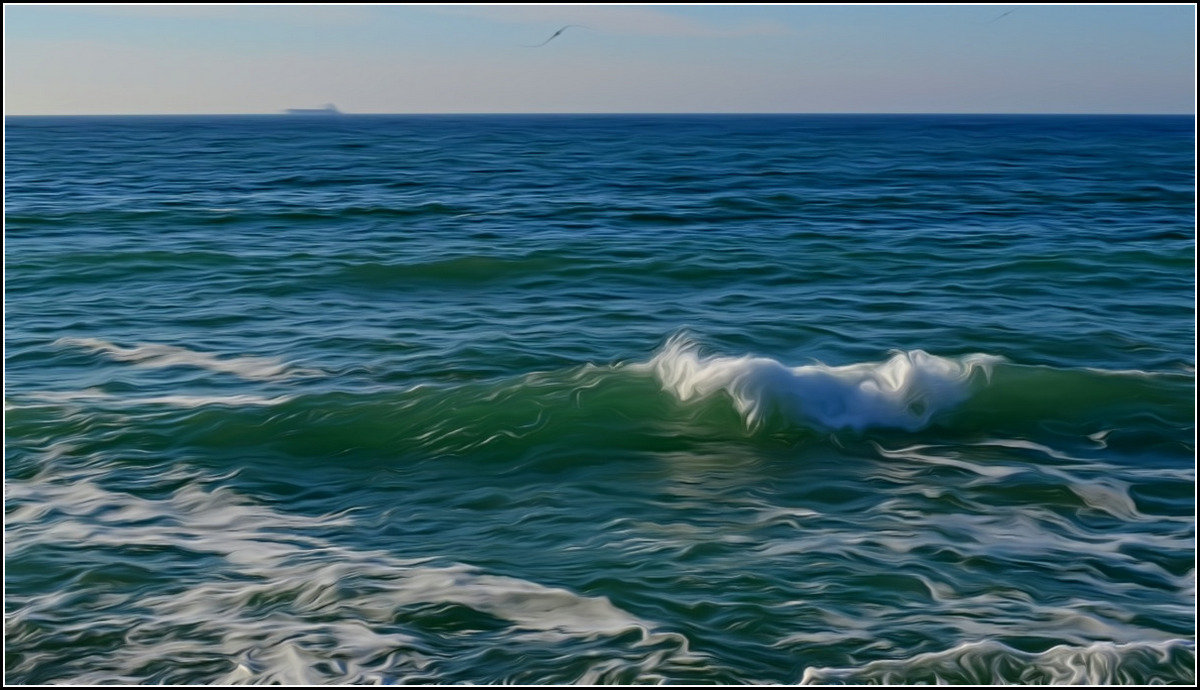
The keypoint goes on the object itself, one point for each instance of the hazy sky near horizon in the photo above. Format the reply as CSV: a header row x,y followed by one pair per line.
x,y
143,59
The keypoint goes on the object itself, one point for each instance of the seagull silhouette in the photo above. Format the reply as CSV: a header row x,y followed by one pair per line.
x,y
1001,16
555,35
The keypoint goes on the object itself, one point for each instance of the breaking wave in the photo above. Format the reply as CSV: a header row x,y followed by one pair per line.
x,y
905,392
679,395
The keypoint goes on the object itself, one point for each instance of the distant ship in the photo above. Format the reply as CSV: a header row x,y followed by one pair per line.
x,y
329,109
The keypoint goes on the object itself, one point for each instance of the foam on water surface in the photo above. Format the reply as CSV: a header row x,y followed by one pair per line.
x,y
907,391
156,355
991,662
344,603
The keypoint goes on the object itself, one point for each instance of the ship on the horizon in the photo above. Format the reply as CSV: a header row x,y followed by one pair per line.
x,y
329,109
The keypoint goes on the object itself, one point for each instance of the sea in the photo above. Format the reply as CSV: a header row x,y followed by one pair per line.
x,y
600,399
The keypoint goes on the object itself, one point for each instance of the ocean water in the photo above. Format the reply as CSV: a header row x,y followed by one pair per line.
x,y
600,399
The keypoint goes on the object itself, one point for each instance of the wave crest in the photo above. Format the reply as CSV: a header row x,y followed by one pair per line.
x,y
906,391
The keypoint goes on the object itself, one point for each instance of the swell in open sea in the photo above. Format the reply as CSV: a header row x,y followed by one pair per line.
x,y
600,399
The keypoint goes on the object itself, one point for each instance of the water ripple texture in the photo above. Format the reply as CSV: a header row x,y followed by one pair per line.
x,y
600,400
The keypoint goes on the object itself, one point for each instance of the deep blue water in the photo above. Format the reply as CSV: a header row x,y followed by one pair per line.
x,y
600,399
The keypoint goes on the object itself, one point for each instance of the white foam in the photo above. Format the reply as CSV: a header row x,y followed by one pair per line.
x,y
96,395
906,391
340,622
991,662
991,471
159,355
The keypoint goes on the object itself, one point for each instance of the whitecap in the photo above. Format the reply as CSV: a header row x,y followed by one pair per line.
x,y
907,391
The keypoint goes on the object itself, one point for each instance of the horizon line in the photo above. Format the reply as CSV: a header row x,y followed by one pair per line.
x,y
340,113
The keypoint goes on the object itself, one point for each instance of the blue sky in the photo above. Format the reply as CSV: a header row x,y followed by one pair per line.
x,y
631,58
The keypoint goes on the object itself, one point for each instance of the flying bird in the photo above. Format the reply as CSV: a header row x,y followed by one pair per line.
x,y
555,35
997,18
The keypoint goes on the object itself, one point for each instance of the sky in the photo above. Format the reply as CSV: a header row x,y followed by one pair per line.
x,y
983,58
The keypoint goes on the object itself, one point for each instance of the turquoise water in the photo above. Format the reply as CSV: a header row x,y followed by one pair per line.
x,y
600,399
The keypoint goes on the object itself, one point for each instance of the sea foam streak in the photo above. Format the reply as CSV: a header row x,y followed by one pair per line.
x,y
907,391
159,355
93,395
349,605
990,662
